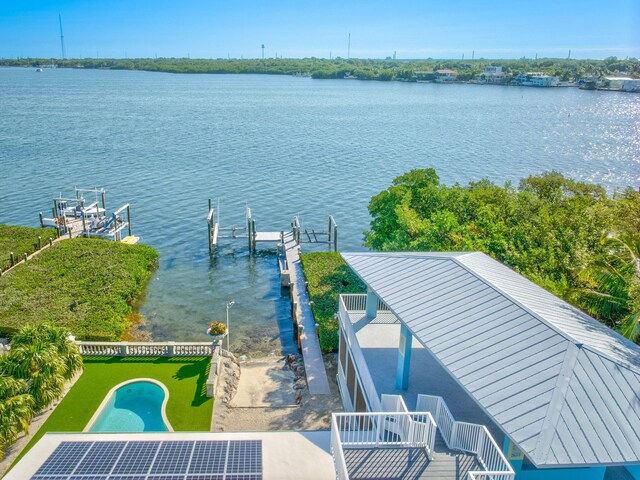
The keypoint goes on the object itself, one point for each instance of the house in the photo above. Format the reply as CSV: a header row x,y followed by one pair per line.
x,y
461,333
494,75
625,84
445,75
537,79
451,366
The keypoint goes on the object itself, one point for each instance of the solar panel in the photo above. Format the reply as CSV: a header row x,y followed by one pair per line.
x,y
245,456
154,460
64,458
209,457
173,457
100,458
136,458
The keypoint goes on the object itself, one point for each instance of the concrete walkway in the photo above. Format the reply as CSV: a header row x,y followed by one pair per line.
x,y
313,363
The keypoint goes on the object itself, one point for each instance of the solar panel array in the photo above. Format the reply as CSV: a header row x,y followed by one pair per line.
x,y
154,460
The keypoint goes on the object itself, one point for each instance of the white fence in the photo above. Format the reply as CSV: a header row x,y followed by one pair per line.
x,y
468,437
147,349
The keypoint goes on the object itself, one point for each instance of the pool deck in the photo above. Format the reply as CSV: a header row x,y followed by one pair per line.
x,y
285,455
379,340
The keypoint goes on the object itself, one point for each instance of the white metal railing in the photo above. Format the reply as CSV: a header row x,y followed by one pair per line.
x,y
360,365
146,349
357,302
337,451
468,437
380,429
385,429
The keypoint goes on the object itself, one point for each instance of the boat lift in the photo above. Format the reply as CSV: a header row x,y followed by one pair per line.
x,y
71,216
250,233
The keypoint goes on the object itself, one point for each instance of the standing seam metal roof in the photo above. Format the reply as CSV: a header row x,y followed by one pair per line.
x,y
562,386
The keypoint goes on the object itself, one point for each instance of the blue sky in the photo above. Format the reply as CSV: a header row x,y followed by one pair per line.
x,y
299,28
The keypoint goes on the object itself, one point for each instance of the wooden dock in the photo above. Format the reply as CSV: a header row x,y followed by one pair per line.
x,y
312,354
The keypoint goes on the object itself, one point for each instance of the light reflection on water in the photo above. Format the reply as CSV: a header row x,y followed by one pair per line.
x,y
166,143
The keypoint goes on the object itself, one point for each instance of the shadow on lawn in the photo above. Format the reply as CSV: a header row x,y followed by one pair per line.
x,y
200,369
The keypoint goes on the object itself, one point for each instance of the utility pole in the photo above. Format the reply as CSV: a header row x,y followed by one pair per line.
x,y
61,37
394,54
473,55
349,47
463,56
263,51
569,56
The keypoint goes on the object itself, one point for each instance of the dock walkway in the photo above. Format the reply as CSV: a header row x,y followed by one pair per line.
x,y
313,363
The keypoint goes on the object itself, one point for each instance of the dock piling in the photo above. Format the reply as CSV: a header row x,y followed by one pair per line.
x,y
39,243
12,258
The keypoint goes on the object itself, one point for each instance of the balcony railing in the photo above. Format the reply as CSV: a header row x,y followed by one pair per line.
x,y
379,429
468,437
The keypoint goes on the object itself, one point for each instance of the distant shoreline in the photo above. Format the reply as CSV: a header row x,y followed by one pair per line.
x,y
542,73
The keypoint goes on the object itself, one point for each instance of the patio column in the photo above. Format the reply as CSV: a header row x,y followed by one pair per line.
x,y
404,358
372,304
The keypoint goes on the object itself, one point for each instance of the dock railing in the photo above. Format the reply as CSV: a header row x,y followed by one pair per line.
x,y
468,437
147,349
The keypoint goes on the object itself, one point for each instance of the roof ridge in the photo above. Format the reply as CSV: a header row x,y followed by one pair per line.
x,y
513,300
548,428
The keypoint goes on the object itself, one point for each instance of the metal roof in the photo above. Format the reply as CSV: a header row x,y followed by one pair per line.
x,y
562,386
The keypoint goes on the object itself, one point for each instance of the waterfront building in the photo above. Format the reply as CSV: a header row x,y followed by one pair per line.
x,y
537,79
494,75
446,75
451,366
558,390
625,84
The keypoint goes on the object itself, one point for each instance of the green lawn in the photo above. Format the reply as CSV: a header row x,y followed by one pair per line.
x,y
87,285
21,240
188,409
328,276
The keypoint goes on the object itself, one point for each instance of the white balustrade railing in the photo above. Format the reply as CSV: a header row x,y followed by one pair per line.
x,y
468,437
146,349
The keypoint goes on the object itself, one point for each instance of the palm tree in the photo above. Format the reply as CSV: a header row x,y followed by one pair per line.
x,y
40,366
613,285
16,410
59,337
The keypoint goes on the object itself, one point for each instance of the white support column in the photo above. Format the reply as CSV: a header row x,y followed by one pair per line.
x,y
404,358
372,304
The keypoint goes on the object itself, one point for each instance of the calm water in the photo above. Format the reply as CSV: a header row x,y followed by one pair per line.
x,y
166,143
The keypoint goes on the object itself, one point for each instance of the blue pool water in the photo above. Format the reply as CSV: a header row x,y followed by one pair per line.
x,y
134,407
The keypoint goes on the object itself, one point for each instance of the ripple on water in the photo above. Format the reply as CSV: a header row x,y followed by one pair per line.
x,y
285,146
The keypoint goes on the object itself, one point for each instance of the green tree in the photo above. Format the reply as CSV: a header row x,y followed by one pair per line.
x,y
613,285
16,410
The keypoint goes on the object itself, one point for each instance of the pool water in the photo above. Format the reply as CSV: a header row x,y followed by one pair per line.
x,y
134,407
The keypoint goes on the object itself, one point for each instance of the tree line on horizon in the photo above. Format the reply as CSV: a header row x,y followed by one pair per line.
x,y
364,69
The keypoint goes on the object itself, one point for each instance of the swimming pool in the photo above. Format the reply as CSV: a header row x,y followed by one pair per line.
x,y
133,406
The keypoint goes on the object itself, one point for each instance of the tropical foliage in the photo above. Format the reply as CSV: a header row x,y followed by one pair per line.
x,y
87,285
549,228
365,69
32,375
328,276
21,240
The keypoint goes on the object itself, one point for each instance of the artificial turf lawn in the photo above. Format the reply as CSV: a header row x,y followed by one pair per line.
x,y
188,409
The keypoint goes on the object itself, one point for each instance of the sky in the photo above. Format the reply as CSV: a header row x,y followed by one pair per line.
x,y
302,28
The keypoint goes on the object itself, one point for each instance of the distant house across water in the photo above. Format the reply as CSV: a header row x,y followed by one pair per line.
x,y
446,75
493,75
625,84
537,79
